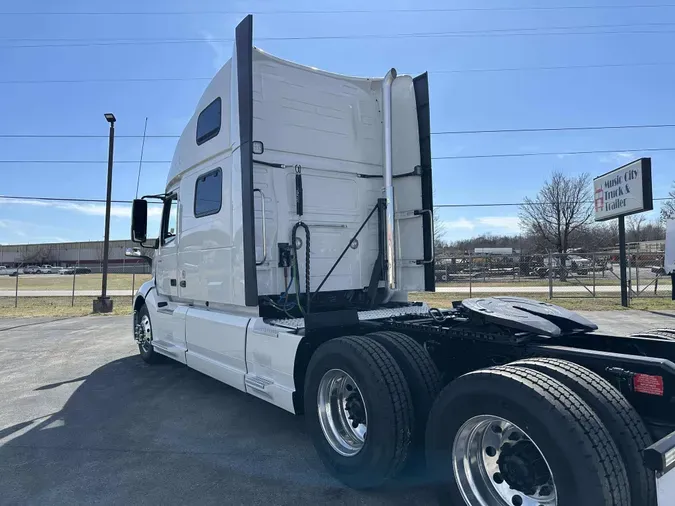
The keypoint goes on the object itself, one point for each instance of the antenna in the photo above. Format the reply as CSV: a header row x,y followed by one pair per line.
x,y
140,162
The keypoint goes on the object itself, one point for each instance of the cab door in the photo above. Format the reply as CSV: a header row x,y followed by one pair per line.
x,y
167,259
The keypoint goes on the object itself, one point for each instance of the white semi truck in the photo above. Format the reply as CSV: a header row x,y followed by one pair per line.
x,y
297,218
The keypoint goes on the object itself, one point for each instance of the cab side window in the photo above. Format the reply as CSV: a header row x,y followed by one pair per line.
x,y
170,220
208,122
209,193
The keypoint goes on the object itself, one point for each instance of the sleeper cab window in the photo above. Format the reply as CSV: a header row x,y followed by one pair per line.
x,y
209,193
208,122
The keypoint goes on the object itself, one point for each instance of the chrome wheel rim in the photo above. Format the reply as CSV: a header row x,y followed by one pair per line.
x,y
146,333
342,412
495,463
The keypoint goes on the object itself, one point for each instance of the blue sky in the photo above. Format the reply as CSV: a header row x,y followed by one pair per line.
x,y
459,100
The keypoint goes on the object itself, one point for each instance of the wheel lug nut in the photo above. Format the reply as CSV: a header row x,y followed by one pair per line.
x,y
517,500
497,429
497,477
490,450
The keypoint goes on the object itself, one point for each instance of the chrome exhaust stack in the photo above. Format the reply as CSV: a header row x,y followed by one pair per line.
x,y
390,224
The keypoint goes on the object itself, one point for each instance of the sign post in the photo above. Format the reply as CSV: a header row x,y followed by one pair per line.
x,y
619,193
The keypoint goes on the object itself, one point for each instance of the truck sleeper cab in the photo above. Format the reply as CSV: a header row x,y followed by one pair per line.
x,y
296,217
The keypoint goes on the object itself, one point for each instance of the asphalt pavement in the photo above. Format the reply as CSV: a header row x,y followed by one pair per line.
x,y
84,420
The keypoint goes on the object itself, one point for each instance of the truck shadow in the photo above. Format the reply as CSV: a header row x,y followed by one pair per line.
x,y
133,433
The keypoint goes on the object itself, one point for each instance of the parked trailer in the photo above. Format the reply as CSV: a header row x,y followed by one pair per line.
x,y
297,218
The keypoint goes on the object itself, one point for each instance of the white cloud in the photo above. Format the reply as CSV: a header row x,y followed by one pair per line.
x,y
463,228
507,224
504,224
620,157
456,224
92,209
220,55
18,230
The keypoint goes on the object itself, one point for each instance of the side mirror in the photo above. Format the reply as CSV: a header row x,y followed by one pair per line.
x,y
136,253
139,220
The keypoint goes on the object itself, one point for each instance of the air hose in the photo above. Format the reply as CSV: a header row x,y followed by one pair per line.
x,y
296,270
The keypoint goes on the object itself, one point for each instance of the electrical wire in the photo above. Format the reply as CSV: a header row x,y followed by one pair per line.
x,y
550,129
453,157
430,35
550,153
342,11
446,132
97,201
357,36
67,199
443,71
83,161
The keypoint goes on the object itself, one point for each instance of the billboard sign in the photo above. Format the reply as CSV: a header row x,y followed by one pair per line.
x,y
623,191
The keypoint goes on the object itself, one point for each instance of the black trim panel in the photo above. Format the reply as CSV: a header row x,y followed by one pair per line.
x,y
244,52
659,456
421,85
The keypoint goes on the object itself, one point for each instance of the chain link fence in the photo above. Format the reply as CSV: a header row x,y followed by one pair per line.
x,y
66,287
553,275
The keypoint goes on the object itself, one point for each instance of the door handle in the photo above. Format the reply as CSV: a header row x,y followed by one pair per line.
x,y
173,282
183,284
264,234
421,212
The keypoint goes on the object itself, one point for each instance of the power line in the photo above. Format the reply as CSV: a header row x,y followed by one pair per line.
x,y
82,136
83,161
550,153
430,35
550,67
550,129
111,80
518,204
445,132
445,71
414,34
102,201
59,199
345,11
453,157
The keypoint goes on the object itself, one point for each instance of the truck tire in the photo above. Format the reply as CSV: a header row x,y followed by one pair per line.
x,y
506,434
147,351
423,379
358,410
615,412
660,333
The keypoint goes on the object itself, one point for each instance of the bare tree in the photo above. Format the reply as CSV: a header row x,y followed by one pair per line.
x,y
635,224
560,211
439,231
668,207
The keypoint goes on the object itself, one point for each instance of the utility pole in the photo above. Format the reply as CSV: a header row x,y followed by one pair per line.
x,y
104,304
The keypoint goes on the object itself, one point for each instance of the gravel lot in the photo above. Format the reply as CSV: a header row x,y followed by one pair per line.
x,y
83,420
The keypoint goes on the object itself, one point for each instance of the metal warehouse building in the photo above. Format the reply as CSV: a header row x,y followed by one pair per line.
x,y
86,254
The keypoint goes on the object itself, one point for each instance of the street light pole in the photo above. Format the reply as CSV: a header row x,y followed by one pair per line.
x,y
104,304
